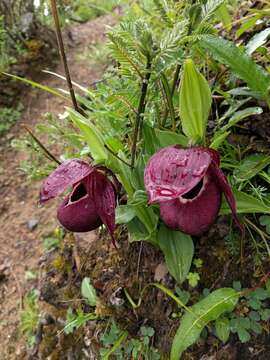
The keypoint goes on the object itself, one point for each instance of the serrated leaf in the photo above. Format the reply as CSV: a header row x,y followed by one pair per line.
x,y
178,250
206,310
240,63
195,102
222,326
88,292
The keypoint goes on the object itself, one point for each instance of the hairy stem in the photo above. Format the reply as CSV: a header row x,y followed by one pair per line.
x,y
63,55
43,148
140,112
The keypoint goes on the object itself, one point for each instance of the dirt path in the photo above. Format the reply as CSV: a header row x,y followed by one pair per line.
x,y
21,247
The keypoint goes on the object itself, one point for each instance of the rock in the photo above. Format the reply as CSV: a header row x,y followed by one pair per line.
x,y
32,224
116,299
160,272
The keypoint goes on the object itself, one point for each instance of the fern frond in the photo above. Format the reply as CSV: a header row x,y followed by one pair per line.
x,y
122,53
161,7
210,7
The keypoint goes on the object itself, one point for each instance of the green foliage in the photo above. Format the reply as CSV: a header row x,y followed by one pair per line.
x,y
178,250
115,343
241,64
74,320
195,103
157,43
252,310
54,239
246,204
8,117
88,292
84,10
265,221
29,316
193,279
199,315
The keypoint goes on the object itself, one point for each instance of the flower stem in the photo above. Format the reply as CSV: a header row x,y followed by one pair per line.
x,y
140,112
63,55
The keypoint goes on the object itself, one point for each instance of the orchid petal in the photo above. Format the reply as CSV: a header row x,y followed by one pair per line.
x,y
67,174
77,212
102,192
193,216
222,181
173,171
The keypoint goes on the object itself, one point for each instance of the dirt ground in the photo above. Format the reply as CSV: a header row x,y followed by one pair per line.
x,y
21,246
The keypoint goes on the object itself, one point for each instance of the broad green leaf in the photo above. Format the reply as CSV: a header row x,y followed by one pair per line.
x,y
88,291
138,232
178,250
139,198
240,115
92,136
168,138
124,214
123,171
240,63
222,326
251,166
224,15
195,102
257,41
218,139
206,310
151,143
245,204
147,217
247,25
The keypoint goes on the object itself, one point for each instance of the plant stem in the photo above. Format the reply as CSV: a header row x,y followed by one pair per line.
x,y
140,112
118,157
63,55
46,151
175,79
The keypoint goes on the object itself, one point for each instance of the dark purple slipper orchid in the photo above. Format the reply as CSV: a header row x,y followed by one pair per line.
x,y
92,200
188,183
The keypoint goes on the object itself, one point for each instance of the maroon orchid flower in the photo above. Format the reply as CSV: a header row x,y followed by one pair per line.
x,y
188,184
92,200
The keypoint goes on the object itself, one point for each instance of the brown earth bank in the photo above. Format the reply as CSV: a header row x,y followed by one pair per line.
x,y
23,223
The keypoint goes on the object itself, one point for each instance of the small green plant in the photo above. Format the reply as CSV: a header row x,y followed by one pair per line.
x,y
8,117
30,316
249,315
193,279
139,348
76,319
53,240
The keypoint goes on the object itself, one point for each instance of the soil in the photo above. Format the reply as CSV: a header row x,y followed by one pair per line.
x,y
21,247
